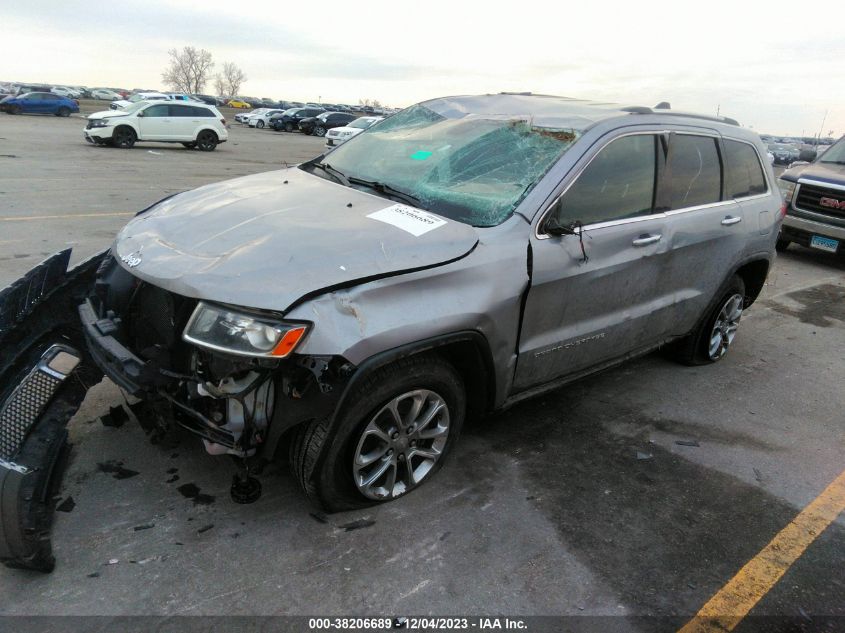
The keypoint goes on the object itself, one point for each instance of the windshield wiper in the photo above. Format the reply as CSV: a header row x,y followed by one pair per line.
x,y
387,190
331,171
833,162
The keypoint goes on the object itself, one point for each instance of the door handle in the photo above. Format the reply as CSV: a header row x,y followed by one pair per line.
x,y
645,240
729,220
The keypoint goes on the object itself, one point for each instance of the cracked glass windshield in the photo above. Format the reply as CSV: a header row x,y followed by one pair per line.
x,y
475,169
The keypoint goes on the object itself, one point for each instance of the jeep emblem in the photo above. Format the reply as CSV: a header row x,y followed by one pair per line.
x,y
132,259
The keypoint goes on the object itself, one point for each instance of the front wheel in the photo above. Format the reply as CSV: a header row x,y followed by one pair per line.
x,y
715,334
15,109
319,131
259,124
124,137
206,141
63,112
392,436
288,127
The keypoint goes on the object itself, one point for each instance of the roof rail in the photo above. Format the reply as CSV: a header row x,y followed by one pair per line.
x,y
688,115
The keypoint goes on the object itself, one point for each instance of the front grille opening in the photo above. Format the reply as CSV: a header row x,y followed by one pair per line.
x,y
816,200
154,323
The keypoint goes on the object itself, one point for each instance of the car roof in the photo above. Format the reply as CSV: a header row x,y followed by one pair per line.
x,y
548,111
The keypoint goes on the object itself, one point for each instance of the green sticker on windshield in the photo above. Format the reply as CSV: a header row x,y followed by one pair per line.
x,y
420,155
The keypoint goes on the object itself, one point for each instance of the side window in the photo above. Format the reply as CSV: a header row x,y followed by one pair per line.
x,y
159,110
618,183
743,171
693,171
179,111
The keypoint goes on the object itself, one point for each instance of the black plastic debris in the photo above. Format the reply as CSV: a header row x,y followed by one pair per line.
x,y
192,491
116,470
146,526
66,506
319,517
357,525
687,442
205,528
115,418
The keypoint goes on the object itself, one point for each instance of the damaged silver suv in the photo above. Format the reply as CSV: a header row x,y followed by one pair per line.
x,y
459,256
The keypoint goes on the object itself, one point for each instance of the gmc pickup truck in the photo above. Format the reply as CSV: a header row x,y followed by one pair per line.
x,y
815,199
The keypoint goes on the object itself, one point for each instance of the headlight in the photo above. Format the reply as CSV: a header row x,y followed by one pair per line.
x,y
101,123
219,328
345,134
787,188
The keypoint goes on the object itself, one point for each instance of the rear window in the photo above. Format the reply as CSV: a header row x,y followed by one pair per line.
x,y
189,111
694,170
744,173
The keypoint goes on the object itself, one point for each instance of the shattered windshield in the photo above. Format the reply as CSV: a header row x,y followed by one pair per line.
x,y
475,169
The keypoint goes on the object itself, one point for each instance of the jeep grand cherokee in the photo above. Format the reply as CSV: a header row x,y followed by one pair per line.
x,y
464,254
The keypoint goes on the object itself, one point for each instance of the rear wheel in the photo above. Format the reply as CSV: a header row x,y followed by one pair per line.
x,y
713,337
124,137
206,141
392,436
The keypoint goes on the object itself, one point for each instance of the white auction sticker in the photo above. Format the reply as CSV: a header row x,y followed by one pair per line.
x,y
415,221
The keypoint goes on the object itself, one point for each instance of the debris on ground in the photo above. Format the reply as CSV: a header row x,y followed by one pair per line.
x,y
113,561
66,506
758,475
116,469
96,574
357,525
146,526
687,443
205,528
641,455
319,517
116,417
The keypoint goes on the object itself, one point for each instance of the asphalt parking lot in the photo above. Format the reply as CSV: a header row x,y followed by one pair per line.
x,y
638,492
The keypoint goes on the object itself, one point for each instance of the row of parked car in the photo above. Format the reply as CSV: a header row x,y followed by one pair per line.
x,y
336,127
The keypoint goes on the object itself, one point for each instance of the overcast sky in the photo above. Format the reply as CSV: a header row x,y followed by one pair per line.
x,y
774,66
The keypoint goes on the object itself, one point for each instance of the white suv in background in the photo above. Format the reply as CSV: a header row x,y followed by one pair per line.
x,y
191,124
338,135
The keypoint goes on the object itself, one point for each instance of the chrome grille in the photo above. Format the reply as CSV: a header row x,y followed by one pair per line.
x,y
812,198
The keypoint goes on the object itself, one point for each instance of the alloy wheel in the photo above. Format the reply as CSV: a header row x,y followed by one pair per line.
x,y
401,444
725,326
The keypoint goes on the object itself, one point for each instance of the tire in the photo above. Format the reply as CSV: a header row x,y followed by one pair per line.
x,y
190,145
206,141
319,131
723,314
124,137
782,244
331,483
288,127
259,124
15,109
63,112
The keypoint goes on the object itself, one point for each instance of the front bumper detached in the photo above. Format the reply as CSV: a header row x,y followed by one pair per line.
x,y
45,373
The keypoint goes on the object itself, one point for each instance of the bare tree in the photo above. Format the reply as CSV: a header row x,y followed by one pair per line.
x,y
189,69
229,82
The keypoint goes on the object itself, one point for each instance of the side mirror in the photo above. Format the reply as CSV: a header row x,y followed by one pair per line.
x,y
141,113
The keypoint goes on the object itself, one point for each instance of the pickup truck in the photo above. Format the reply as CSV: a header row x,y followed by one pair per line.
x,y
814,194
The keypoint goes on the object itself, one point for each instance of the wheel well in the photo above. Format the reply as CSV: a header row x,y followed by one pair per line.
x,y
126,127
475,369
208,129
753,274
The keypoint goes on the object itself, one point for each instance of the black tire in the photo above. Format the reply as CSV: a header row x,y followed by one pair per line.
x,y
693,349
206,141
329,484
259,124
63,112
782,244
288,127
190,145
319,131
124,137
15,109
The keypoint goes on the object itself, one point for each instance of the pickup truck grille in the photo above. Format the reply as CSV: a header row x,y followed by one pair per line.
x,y
822,200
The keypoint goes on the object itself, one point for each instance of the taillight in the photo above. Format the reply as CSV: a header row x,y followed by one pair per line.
x,y
223,121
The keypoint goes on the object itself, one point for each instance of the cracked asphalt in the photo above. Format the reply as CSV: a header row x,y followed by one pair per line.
x,y
638,492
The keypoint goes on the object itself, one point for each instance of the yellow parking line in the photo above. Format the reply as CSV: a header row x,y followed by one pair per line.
x,y
731,604
67,216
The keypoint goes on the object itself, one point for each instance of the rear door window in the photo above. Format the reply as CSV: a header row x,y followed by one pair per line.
x,y
617,184
693,170
743,171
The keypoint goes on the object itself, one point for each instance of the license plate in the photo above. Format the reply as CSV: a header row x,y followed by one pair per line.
x,y
824,243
